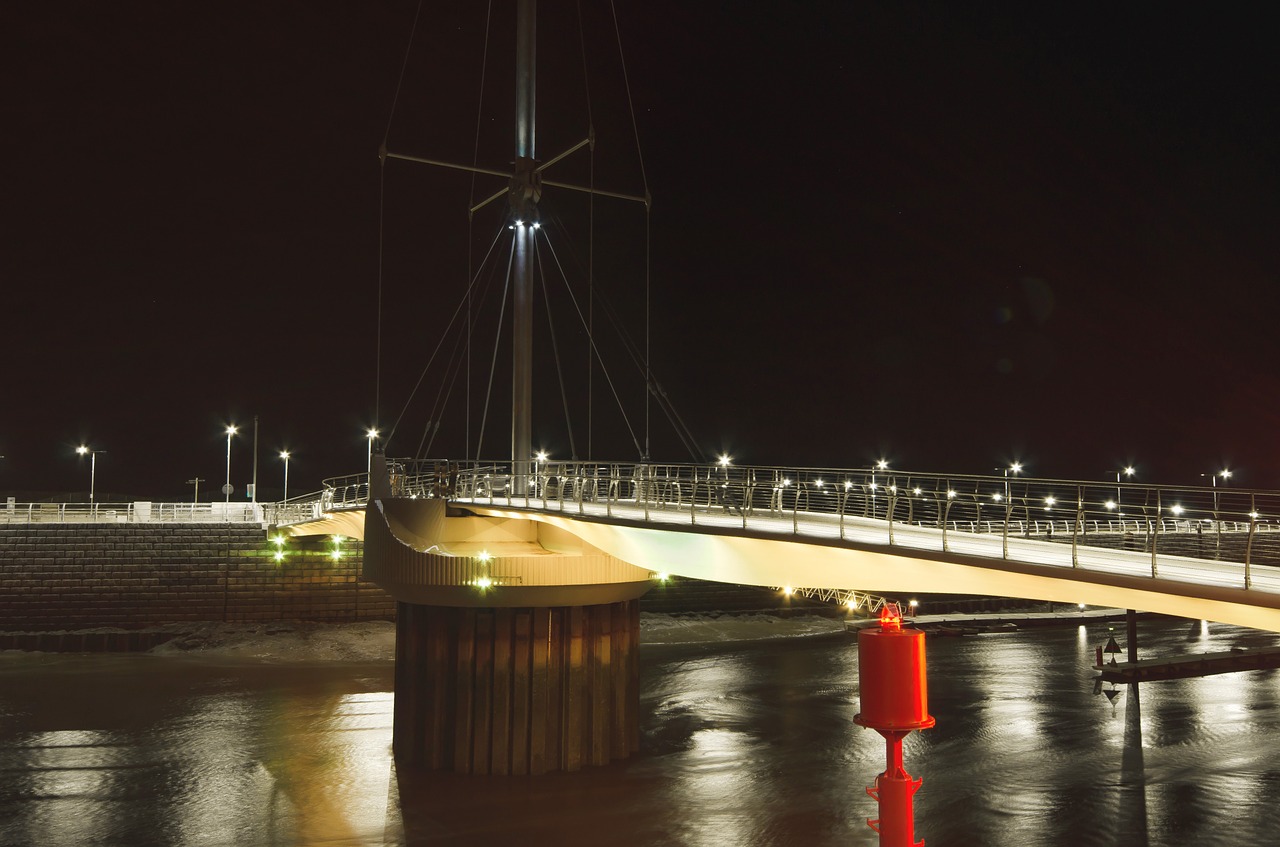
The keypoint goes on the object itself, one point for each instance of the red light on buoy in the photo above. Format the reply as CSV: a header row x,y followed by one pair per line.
x,y
890,617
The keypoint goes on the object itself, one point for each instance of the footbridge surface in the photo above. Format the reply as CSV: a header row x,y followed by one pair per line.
x,y
1210,553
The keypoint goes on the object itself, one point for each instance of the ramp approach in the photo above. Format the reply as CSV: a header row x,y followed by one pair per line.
x,y
1208,553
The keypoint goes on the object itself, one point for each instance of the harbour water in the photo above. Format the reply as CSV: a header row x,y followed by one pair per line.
x,y
282,737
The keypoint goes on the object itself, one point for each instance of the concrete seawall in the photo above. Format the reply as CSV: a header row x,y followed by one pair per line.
x,y
82,576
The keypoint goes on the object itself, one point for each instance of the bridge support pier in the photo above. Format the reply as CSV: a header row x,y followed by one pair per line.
x,y
516,690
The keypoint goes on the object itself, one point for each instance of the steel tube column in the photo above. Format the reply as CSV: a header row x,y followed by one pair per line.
x,y
524,198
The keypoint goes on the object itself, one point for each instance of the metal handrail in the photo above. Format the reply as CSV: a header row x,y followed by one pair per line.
x,y
136,512
1167,523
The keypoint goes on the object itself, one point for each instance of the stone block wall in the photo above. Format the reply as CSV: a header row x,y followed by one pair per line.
x,y
69,576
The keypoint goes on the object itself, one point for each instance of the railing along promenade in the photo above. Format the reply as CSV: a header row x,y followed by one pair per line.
x,y
1215,536
137,512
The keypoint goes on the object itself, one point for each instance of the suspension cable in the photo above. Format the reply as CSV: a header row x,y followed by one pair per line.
x,y
488,393
555,351
582,319
446,387
475,158
647,203
443,335
591,226
382,194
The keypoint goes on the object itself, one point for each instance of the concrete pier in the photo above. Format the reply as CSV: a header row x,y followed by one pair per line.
x,y
516,690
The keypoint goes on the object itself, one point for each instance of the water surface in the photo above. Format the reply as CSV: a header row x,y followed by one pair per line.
x,y
744,743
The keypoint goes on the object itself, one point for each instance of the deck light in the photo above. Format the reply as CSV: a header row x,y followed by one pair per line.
x,y
723,460
1176,509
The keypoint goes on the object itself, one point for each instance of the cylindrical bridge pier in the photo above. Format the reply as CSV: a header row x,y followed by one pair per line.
x,y
516,691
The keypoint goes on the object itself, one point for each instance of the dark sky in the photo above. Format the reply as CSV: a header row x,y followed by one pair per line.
x,y
948,236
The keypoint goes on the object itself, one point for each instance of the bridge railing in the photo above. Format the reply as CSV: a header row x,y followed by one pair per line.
x,y
136,512
1082,517
1215,523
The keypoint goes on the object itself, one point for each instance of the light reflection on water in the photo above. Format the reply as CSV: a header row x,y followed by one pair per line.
x,y
743,745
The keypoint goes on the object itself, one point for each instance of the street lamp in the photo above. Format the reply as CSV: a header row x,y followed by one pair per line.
x,y
1015,469
1129,471
93,466
284,454
226,489
1213,483
880,465
371,435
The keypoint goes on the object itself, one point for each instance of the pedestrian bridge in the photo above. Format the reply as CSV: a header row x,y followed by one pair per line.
x,y
1210,553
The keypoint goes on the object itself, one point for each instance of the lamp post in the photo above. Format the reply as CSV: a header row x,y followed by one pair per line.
x,y
1213,483
1128,471
1015,469
371,434
226,489
284,454
880,465
93,466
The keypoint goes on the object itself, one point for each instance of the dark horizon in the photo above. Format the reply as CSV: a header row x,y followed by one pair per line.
x,y
948,237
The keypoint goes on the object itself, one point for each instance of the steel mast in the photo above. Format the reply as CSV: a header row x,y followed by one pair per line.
x,y
526,189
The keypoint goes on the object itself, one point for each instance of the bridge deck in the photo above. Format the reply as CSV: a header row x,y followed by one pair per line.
x,y
823,527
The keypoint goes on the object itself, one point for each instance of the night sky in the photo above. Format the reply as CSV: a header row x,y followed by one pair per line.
x,y
943,235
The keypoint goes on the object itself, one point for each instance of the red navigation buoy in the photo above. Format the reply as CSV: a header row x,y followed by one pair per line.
x,y
893,694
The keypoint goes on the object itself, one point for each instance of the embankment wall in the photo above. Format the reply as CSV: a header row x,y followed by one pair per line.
x,y
77,576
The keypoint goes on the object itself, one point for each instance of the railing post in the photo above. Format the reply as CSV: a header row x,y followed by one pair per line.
x,y
1075,530
1248,547
693,498
644,490
795,508
893,502
944,514
1008,512
1155,535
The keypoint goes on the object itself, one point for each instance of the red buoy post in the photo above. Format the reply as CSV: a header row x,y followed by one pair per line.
x,y
894,695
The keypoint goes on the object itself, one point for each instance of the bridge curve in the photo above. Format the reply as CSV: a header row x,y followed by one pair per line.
x,y
1199,553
